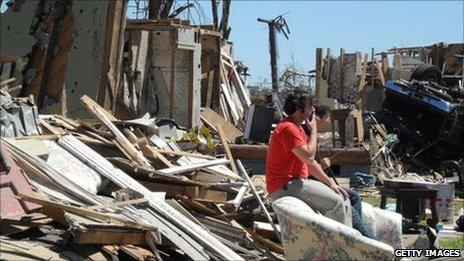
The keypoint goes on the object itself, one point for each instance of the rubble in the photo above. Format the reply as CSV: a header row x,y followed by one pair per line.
x,y
139,138
118,209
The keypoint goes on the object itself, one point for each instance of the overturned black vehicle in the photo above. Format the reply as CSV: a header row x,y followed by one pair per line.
x,y
428,118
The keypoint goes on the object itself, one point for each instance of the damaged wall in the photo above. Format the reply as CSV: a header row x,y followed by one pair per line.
x,y
86,54
179,48
343,83
69,47
14,28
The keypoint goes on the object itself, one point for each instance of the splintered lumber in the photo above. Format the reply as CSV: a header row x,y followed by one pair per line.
x,y
193,166
144,173
83,212
5,82
119,203
380,72
184,233
138,253
91,104
222,228
170,189
253,189
90,252
188,161
41,169
181,153
264,229
18,224
26,250
265,241
175,153
212,119
121,139
346,156
251,152
225,144
197,206
238,199
362,78
106,118
151,153
104,235
206,195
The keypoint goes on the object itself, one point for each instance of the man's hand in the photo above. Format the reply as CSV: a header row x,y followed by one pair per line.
x,y
325,163
339,190
311,124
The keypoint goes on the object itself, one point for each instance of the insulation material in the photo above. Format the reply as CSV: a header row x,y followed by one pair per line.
x,y
78,172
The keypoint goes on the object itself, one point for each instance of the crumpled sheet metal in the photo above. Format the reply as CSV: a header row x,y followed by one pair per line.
x,y
18,117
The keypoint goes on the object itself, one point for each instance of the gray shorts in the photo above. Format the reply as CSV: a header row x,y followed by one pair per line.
x,y
319,197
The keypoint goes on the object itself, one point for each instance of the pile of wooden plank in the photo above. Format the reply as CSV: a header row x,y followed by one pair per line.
x,y
106,189
235,96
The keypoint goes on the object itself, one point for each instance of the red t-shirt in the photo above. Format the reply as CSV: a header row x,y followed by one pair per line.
x,y
282,165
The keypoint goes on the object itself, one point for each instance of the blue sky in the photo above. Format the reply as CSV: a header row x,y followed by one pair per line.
x,y
353,25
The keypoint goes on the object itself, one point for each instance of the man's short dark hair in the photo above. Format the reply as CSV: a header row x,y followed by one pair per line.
x,y
322,110
297,100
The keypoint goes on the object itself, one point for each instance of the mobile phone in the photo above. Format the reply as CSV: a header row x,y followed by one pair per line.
x,y
305,128
311,116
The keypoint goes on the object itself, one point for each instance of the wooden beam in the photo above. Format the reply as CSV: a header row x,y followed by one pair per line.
x,y
9,58
209,89
380,72
106,118
172,88
346,156
183,153
91,104
170,189
362,78
138,253
263,207
237,201
119,203
188,236
225,145
212,119
206,195
18,224
267,242
251,152
102,235
340,156
192,167
150,152
83,212
64,102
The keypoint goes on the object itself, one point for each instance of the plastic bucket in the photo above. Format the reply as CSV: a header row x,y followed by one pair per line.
x,y
445,201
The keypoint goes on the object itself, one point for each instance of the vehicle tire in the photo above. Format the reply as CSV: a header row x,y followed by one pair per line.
x,y
427,72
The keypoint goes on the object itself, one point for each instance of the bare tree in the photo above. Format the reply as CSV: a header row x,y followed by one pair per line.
x,y
159,8
214,7
224,26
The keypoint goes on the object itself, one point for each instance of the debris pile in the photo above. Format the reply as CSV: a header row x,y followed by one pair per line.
x,y
120,188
